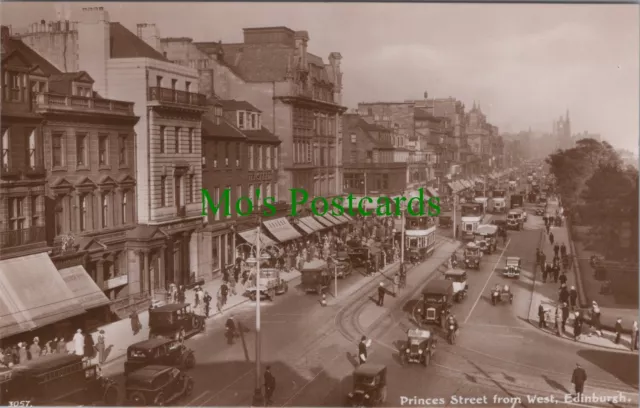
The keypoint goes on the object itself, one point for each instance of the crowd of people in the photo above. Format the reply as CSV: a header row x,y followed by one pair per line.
x,y
82,345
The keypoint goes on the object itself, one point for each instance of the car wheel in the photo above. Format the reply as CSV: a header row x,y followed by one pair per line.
x,y
190,361
252,296
286,287
159,400
137,399
427,359
271,294
110,396
188,389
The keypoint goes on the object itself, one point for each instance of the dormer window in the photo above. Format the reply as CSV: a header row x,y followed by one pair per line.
x,y
83,90
254,121
241,120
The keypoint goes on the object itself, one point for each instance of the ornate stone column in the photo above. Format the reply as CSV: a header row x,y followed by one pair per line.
x,y
186,254
161,265
100,274
147,276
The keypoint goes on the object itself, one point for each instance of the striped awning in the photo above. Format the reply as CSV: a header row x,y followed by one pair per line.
x,y
312,223
307,229
250,237
432,192
347,217
281,229
341,218
332,219
33,294
323,221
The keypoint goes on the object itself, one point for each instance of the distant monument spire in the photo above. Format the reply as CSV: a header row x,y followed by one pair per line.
x,y
474,105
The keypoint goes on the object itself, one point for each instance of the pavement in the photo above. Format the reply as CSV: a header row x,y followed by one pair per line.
x,y
547,294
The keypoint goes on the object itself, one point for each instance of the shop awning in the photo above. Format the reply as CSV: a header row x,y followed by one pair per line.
x,y
312,223
307,229
341,218
84,289
432,192
347,217
250,237
33,294
332,219
323,221
281,229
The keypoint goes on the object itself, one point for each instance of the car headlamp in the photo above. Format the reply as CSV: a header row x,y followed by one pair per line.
x,y
419,351
408,351
366,396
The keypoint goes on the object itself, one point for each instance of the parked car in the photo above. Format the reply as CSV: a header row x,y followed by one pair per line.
x,y
157,385
158,351
166,321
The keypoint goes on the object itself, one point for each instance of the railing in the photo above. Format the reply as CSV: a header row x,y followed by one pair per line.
x,y
15,238
175,96
379,166
51,101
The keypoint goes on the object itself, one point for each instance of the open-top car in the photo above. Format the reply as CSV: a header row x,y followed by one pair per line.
x,y
460,285
512,267
437,298
472,255
369,386
167,321
420,347
56,379
342,264
157,385
270,282
486,238
158,351
501,294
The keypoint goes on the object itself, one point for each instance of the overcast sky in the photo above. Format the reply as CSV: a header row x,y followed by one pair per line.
x,y
526,64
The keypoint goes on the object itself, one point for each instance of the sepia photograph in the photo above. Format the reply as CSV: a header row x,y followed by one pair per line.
x,y
312,204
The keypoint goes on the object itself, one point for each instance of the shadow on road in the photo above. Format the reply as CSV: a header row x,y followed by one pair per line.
x,y
555,385
621,365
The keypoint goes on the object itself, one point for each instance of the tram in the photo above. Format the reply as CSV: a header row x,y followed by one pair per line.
x,y
472,216
420,236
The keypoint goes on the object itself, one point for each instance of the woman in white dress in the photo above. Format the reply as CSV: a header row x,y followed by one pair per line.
x,y
78,343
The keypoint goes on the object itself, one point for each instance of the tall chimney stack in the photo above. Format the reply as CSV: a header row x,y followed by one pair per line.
x,y
94,46
150,34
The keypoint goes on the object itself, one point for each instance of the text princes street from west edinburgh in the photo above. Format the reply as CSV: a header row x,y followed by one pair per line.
x,y
303,204
385,206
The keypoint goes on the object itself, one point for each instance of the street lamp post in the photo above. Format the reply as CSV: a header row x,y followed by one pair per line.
x,y
258,398
402,220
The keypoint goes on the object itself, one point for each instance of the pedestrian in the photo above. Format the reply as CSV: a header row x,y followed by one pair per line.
x,y
634,336
136,326
224,292
101,347
48,348
563,294
23,354
34,350
563,249
541,312
548,232
573,297
618,330
269,385
543,261
558,321
78,343
232,285
556,272
595,318
196,299
565,316
381,293
182,296
563,279
546,272
181,335
363,347
219,301
89,346
578,379
551,237
207,303
61,346
556,249
577,326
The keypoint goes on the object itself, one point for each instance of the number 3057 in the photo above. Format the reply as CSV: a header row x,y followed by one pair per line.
x,y
19,403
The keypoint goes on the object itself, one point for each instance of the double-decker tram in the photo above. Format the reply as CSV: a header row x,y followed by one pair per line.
x,y
420,236
472,216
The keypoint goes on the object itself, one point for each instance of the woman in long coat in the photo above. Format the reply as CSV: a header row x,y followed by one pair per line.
x,y
89,346
101,347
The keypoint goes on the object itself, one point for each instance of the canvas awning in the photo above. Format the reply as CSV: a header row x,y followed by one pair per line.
x,y
33,294
323,221
347,217
431,192
332,219
281,229
307,229
312,223
84,289
341,218
250,237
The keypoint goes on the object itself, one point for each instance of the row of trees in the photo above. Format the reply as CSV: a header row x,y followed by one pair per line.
x,y
599,192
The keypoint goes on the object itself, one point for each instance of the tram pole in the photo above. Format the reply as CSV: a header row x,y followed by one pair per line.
x,y
455,224
258,399
402,220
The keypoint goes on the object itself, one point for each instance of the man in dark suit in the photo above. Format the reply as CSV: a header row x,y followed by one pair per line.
x,y
578,379
269,385
381,293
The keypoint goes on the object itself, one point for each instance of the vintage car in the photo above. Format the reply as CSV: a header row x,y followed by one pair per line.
x,y
420,347
157,385
369,386
501,294
437,297
460,286
358,256
58,379
315,276
486,237
271,284
512,267
515,220
167,320
472,255
540,211
342,265
158,351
